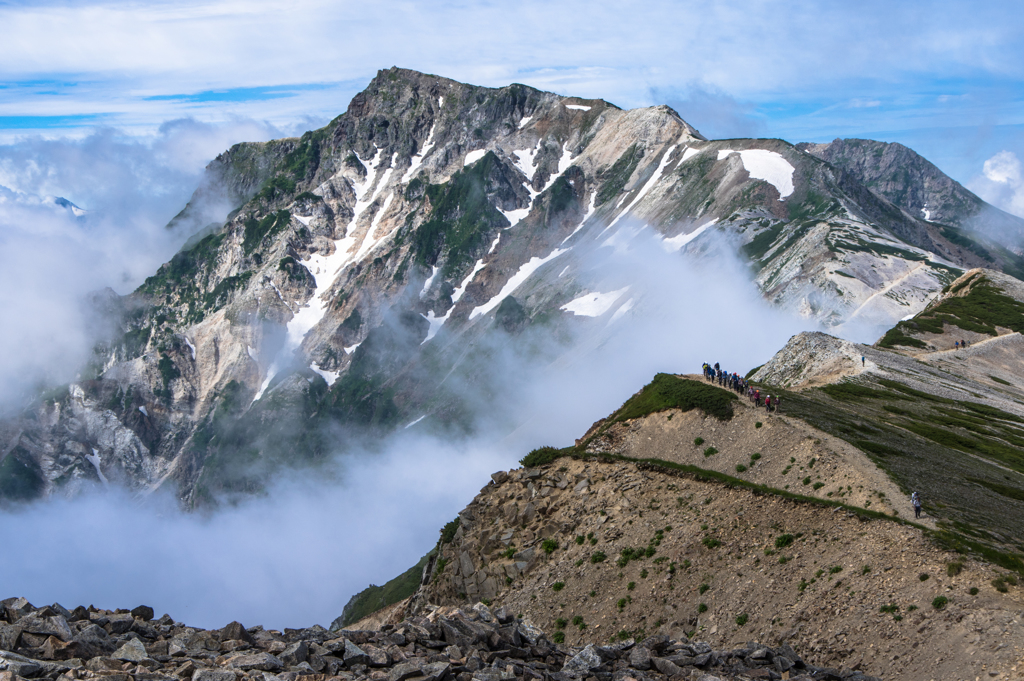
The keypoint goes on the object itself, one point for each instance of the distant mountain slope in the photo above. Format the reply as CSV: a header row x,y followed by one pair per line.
x,y
371,267
911,182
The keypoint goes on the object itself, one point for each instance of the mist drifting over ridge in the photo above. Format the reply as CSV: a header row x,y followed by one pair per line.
x,y
294,556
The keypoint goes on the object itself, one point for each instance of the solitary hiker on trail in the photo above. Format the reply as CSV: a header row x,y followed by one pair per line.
x,y
915,499
862,360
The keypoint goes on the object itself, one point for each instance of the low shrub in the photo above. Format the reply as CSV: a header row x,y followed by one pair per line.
x,y
939,602
558,586
549,546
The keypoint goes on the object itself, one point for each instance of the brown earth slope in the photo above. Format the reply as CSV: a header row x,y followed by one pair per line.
x,y
789,570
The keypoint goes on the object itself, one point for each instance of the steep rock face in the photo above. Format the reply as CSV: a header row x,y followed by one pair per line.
x,y
368,260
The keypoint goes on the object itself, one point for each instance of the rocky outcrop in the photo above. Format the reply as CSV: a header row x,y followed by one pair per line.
x,y
446,645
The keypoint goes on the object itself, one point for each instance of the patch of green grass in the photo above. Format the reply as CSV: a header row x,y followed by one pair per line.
x,y
549,546
257,231
850,391
614,178
671,392
998,488
740,468
741,619
558,586
373,598
953,568
598,557
710,451
558,637
999,380
711,542
702,608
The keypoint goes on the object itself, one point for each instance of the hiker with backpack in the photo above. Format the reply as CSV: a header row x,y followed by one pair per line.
x,y
915,499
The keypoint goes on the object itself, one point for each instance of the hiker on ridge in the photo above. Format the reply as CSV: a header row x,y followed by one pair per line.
x,y
915,499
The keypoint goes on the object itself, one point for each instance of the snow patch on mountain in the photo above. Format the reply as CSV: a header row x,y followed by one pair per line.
x,y
766,165
577,107
647,186
593,304
417,160
474,156
515,281
329,376
430,281
677,242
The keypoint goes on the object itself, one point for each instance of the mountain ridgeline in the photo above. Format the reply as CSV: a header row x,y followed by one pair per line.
x,y
369,269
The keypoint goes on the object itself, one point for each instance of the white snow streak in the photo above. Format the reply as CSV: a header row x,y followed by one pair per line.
x,y
523,123
526,158
590,211
474,156
144,412
190,347
677,242
514,216
494,244
417,160
564,270
435,323
563,164
646,188
766,165
688,153
577,107
415,422
515,281
352,348
252,353
593,304
429,282
457,294
95,461
329,376
303,220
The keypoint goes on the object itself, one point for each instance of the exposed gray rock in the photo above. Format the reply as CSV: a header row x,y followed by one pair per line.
x,y
259,661
583,662
212,675
132,651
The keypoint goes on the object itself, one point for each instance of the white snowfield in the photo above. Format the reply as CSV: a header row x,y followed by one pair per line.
x,y
329,376
688,153
190,347
302,219
515,281
593,304
765,165
429,282
577,107
474,156
144,412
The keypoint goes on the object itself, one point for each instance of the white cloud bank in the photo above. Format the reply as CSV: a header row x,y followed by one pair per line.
x,y
1001,182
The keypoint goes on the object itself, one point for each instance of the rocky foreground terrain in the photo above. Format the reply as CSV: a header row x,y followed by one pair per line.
x,y
445,645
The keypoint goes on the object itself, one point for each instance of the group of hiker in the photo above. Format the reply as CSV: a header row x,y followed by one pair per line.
x,y
734,381
960,345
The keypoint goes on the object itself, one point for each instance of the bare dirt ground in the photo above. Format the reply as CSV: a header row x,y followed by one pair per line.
x,y
822,588
793,455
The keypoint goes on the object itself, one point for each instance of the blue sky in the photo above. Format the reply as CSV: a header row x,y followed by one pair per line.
x,y
946,78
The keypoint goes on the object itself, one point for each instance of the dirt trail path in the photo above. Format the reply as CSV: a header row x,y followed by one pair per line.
x,y
793,455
